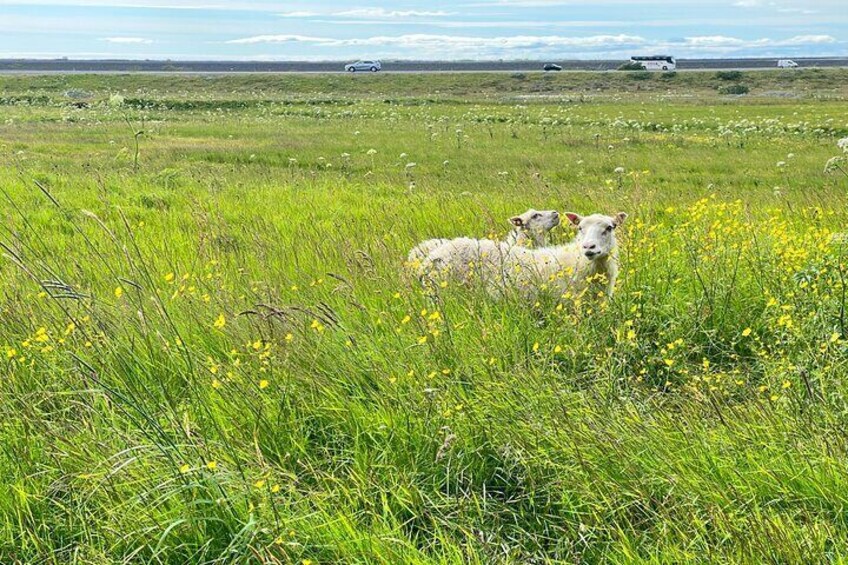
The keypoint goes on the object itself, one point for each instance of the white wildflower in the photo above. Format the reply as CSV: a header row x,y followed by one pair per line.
x,y
833,164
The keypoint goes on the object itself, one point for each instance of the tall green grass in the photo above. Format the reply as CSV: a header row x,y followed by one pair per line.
x,y
216,355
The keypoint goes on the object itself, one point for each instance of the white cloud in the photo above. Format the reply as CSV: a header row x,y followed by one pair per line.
x,y
289,38
299,14
507,42
797,11
128,40
722,42
718,41
808,40
380,13
424,40
376,15
778,7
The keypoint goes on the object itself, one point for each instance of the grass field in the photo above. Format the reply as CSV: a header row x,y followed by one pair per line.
x,y
211,352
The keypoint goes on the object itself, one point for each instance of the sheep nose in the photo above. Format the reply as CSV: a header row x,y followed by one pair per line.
x,y
589,246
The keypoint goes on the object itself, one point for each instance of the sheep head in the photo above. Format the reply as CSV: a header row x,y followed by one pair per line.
x,y
596,233
536,223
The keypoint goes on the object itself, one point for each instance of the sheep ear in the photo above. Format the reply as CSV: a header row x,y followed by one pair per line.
x,y
619,218
517,221
573,218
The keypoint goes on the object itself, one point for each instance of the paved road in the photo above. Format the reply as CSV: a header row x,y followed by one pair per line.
x,y
215,67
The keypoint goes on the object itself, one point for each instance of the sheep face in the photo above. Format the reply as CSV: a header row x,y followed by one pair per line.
x,y
535,222
596,233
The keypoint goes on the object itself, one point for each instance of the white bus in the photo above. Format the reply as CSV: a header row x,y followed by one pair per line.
x,y
655,62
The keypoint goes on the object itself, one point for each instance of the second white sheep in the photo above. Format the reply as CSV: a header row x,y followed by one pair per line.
x,y
466,258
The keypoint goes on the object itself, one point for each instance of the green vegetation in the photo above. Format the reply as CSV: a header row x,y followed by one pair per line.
x,y
631,66
729,75
211,351
734,89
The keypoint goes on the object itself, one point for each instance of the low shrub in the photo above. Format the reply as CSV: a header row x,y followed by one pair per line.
x,y
734,89
729,75
631,66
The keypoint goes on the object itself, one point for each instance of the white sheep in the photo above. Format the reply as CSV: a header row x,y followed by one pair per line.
x,y
590,258
531,226
460,257
420,251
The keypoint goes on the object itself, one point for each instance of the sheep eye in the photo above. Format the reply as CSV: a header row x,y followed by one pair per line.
x,y
536,216
609,229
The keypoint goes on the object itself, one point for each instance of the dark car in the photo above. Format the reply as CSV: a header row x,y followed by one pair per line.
x,y
552,67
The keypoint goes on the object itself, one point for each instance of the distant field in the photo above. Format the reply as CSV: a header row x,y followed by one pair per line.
x,y
65,65
211,351
240,91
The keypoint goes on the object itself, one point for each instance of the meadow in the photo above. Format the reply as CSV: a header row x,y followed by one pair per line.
x,y
211,351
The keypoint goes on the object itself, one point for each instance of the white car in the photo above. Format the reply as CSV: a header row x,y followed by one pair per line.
x,y
372,66
787,64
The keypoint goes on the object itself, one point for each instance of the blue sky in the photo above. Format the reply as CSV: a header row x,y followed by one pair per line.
x,y
435,29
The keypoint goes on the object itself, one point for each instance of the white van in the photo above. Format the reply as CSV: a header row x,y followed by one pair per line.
x,y
786,64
